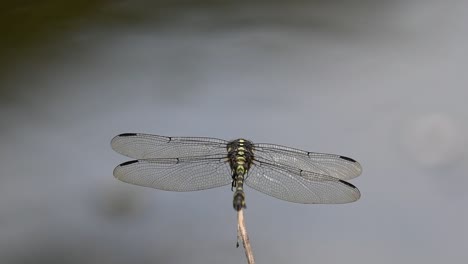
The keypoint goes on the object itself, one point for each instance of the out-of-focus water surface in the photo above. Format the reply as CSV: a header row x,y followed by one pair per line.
x,y
381,81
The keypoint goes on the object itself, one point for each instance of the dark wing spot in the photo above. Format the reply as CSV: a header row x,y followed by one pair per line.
x,y
348,159
347,183
128,163
127,135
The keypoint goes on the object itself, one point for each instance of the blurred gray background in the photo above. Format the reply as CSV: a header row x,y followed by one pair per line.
x,y
383,82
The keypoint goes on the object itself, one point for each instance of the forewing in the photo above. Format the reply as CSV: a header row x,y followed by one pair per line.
x,y
337,166
300,186
146,146
175,174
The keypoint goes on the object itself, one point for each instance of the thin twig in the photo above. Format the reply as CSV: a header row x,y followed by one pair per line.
x,y
242,231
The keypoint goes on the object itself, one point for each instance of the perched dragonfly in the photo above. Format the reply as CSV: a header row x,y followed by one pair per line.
x,y
196,163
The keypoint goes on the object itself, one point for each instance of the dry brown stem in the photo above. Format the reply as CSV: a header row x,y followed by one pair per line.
x,y
242,232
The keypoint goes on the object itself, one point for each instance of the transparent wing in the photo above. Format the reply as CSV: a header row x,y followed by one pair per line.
x,y
300,186
145,146
179,174
337,166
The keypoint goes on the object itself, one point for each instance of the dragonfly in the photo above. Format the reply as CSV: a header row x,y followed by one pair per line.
x,y
185,164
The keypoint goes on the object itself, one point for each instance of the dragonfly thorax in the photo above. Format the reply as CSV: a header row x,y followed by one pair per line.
x,y
240,155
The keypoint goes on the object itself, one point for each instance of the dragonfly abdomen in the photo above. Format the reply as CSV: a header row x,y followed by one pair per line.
x,y
240,158
238,201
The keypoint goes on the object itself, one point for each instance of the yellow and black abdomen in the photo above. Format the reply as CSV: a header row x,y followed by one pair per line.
x,y
240,157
